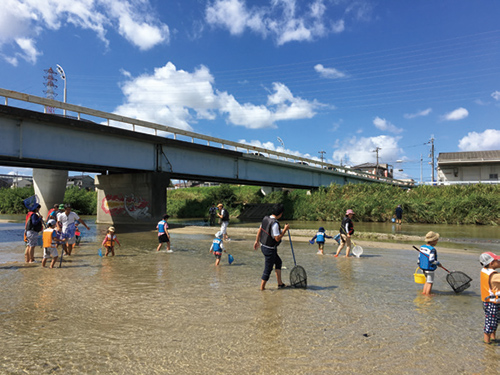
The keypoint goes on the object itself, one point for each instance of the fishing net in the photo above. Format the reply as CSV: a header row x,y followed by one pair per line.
x,y
458,281
298,277
31,203
357,251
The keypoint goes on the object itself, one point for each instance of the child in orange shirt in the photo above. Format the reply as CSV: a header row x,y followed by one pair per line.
x,y
109,241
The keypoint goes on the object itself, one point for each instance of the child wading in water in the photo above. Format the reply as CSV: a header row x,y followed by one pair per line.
x,y
109,241
320,239
490,294
163,235
427,260
217,247
50,240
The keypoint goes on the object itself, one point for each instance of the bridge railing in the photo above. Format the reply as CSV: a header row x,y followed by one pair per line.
x,y
112,119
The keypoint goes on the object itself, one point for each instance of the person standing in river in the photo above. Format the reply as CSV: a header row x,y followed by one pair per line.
x,y
224,218
163,235
67,220
269,237
428,260
346,231
399,214
34,225
212,212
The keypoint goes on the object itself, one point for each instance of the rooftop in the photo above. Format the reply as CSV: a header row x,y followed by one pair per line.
x,y
469,157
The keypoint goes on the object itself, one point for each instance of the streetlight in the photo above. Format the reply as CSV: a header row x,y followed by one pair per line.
x,y
282,144
60,70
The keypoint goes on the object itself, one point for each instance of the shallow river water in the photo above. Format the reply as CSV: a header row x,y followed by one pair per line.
x,y
148,312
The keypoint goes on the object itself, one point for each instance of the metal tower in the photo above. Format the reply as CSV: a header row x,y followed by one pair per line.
x,y
50,86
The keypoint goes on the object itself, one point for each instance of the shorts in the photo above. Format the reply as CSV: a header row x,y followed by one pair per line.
x,y
32,238
344,240
223,227
321,245
72,240
163,238
217,255
49,252
490,317
429,276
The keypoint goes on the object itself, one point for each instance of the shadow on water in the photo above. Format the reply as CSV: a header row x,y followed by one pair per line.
x,y
317,287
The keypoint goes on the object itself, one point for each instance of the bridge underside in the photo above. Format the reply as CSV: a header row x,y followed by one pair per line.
x,y
46,141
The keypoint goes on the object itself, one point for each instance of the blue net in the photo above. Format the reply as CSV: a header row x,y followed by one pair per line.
x,y
31,203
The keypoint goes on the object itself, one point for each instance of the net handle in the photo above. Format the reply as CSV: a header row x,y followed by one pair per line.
x,y
291,246
429,258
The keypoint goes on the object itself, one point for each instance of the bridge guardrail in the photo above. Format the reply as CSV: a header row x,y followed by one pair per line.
x,y
112,117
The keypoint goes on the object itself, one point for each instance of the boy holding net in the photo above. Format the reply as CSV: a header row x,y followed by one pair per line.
x,y
490,294
427,260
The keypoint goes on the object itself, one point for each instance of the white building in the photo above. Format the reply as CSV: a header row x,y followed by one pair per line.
x,y
469,167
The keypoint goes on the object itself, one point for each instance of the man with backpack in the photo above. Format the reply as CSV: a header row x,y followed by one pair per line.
x,y
34,225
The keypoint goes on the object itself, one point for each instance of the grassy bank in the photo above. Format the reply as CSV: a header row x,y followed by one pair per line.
x,y
470,204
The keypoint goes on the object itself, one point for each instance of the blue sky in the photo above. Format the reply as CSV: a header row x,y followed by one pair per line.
x,y
344,77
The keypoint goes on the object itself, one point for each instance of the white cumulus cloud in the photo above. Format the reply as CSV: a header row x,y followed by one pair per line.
x,y
22,22
285,20
386,126
329,72
423,113
487,140
178,98
496,95
457,114
359,150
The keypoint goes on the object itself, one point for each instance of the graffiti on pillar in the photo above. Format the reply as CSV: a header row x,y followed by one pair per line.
x,y
131,205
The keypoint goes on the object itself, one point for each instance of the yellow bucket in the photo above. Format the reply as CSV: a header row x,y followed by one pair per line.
x,y
419,277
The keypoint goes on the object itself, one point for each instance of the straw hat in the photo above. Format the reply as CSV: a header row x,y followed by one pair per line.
x,y
111,229
220,205
431,236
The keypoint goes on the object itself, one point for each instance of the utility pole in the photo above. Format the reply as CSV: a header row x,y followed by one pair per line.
x,y
377,149
432,158
322,153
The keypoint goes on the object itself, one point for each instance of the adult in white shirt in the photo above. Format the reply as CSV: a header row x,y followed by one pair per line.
x,y
67,220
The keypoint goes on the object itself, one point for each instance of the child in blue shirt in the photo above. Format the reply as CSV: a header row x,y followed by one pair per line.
x,y
320,239
217,247
428,260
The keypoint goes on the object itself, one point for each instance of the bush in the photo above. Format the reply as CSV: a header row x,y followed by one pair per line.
x,y
11,200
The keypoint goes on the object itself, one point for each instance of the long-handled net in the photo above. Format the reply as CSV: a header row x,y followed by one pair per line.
x,y
298,276
357,250
458,280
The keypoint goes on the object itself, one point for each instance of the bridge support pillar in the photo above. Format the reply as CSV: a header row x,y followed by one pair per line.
x,y
50,185
131,198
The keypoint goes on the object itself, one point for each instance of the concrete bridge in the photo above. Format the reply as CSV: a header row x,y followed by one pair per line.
x,y
136,159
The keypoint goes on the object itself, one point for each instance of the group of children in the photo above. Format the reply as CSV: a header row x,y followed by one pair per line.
x,y
427,261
